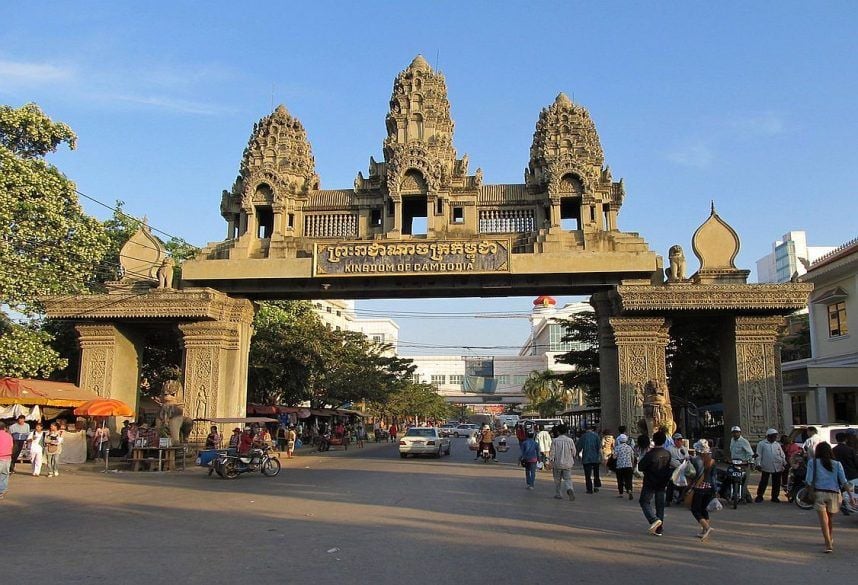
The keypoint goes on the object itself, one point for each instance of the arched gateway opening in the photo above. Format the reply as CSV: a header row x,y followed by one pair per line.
x,y
294,240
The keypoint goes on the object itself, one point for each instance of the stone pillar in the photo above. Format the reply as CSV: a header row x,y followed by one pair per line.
x,y
820,405
640,348
215,369
555,212
751,382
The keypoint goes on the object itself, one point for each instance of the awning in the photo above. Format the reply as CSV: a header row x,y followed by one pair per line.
x,y
43,392
239,420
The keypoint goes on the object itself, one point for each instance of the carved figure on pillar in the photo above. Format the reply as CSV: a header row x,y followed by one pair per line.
x,y
657,410
638,411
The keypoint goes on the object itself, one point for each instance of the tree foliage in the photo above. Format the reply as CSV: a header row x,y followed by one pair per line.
x,y
25,352
47,244
294,357
413,399
693,362
582,331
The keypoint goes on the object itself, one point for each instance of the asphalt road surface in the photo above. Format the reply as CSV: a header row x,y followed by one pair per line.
x,y
367,516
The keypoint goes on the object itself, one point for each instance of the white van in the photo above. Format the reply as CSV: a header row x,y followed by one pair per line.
x,y
828,432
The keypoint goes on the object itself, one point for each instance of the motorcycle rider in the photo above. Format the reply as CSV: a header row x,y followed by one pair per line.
x,y
486,440
245,443
740,450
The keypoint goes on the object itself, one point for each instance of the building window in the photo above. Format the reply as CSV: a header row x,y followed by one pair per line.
x,y
837,319
328,309
799,409
375,218
458,215
378,338
439,379
457,379
339,313
503,379
415,377
519,380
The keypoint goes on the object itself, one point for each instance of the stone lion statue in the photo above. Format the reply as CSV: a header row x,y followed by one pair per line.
x,y
676,270
657,410
172,413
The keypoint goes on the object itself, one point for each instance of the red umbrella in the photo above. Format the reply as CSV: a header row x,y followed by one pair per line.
x,y
104,407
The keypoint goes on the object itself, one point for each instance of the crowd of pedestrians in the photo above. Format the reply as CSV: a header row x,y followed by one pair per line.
x,y
671,473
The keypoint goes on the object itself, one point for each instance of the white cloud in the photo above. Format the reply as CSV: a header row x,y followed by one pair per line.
x,y
698,155
19,73
762,124
150,87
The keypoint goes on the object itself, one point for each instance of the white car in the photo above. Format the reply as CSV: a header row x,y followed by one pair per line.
x,y
423,441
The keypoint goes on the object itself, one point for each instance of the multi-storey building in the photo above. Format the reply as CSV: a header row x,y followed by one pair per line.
x,y
790,256
824,388
340,314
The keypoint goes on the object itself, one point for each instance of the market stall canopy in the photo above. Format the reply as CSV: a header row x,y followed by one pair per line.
x,y
43,393
239,420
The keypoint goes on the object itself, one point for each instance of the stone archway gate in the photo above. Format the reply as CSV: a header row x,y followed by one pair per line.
x,y
557,233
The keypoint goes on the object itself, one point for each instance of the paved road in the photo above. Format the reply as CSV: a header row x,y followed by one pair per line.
x,y
388,520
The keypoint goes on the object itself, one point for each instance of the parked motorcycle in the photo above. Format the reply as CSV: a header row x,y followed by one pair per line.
x,y
327,441
231,466
733,481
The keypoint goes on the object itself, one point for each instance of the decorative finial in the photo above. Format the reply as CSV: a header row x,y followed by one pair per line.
x,y
281,109
420,63
562,98
712,207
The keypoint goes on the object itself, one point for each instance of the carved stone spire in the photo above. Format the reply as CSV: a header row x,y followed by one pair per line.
x,y
279,152
419,127
565,140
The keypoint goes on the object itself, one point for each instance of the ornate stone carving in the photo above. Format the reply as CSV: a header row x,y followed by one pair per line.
x,y
280,154
184,304
640,343
97,345
165,274
658,412
758,374
695,297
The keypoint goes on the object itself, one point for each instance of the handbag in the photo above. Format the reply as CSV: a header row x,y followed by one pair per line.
x,y
688,496
809,495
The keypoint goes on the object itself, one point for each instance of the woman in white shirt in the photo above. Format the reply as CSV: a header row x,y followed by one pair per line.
x,y
36,442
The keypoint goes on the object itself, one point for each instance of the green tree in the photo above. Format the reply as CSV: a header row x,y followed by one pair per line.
x,y
694,362
582,331
47,244
545,392
413,399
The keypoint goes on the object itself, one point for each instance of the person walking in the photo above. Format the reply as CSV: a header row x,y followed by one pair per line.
x,y
590,450
7,446
825,474
678,454
563,454
771,461
608,443
392,432
529,456
53,448
705,486
20,430
291,436
543,441
101,442
36,445
848,458
625,456
655,466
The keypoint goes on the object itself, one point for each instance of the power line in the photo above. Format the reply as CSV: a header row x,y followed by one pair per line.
x,y
123,214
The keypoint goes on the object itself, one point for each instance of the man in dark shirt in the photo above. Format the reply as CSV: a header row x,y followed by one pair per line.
x,y
655,466
846,456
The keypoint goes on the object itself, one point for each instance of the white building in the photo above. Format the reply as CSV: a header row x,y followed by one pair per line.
x,y
824,388
340,315
457,376
790,255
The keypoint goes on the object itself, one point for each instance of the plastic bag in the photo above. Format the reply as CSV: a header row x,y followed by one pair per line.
x,y
715,505
539,465
678,476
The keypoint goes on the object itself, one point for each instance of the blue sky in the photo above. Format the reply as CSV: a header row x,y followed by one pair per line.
x,y
750,104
